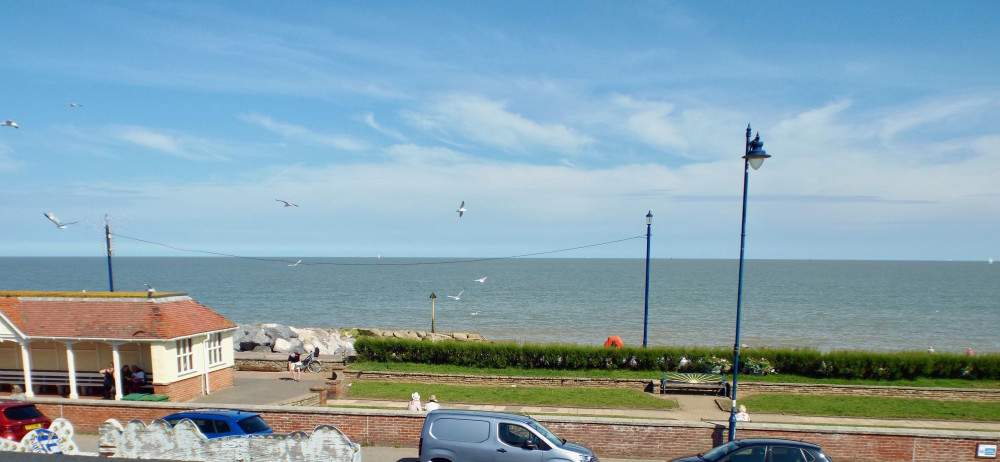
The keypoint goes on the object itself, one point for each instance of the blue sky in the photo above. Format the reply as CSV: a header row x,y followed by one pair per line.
x,y
559,123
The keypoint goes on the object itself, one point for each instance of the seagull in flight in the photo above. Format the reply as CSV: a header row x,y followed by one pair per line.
x,y
457,297
10,123
287,204
74,105
55,220
149,289
296,263
481,280
461,209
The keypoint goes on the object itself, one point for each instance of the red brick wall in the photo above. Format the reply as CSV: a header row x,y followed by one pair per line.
x,y
620,438
191,387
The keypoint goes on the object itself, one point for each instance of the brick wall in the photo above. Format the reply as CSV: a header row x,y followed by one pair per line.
x,y
621,438
192,387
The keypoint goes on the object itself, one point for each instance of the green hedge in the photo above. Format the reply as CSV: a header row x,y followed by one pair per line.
x,y
804,362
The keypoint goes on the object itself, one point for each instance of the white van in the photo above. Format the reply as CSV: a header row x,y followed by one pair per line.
x,y
480,436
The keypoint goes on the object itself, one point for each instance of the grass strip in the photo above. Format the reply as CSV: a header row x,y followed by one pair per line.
x,y
524,396
872,407
650,375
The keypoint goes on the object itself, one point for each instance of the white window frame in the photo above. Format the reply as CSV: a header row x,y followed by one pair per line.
x,y
185,356
214,346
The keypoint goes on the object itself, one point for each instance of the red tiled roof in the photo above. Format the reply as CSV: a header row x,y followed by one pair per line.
x,y
127,316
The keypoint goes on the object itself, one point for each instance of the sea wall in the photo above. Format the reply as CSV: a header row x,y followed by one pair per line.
x,y
611,437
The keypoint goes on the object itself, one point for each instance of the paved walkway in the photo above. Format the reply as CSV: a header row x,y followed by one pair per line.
x,y
276,387
262,388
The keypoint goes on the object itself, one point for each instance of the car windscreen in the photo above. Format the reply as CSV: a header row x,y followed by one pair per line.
x,y
255,424
546,433
720,451
22,412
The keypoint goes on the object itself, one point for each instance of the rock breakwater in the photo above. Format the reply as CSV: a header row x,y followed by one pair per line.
x,y
280,338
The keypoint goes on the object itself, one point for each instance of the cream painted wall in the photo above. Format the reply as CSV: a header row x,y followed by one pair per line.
x,y
6,333
10,355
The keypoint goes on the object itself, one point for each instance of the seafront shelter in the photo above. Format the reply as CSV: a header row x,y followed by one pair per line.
x,y
62,339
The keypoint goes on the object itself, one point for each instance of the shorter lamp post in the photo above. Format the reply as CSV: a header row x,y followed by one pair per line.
x,y
754,157
432,311
645,318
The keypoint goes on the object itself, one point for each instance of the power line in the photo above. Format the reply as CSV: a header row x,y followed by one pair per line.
x,y
380,263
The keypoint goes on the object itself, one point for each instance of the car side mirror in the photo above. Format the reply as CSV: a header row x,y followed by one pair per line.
x,y
530,444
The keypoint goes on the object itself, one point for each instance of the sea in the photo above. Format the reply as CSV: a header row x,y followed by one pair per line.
x,y
825,305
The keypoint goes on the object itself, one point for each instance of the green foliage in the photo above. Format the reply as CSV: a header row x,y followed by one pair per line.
x,y
803,362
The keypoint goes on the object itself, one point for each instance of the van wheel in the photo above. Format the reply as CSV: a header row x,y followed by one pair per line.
x,y
440,460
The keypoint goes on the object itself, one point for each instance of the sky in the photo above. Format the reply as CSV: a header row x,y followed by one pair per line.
x,y
560,124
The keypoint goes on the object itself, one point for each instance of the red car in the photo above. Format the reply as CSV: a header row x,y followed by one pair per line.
x,y
17,418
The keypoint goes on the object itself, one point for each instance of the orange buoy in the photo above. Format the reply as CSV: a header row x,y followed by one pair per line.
x,y
614,341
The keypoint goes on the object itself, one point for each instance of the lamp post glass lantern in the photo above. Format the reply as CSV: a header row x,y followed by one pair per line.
x,y
645,318
753,158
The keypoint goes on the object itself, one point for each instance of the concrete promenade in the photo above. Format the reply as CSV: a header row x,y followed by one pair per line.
x,y
262,388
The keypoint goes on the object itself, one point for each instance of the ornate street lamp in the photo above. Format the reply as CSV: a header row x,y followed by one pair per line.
x,y
645,319
754,157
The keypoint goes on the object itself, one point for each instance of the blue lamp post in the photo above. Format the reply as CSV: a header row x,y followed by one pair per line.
x,y
645,319
754,157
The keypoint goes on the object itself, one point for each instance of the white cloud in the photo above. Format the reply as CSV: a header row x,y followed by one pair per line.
x,y
934,111
369,119
490,122
175,144
301,134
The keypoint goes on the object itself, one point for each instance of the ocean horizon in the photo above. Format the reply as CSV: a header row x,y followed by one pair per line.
x,y
822,304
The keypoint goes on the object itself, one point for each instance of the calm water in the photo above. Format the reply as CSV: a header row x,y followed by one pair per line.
x,y
829,305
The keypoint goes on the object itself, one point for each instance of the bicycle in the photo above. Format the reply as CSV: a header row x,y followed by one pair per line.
x,y
312,362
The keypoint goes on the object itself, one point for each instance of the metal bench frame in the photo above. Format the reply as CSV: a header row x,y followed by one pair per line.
x,y
716,383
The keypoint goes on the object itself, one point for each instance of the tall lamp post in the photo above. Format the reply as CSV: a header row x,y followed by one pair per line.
x,y
645,318
754,157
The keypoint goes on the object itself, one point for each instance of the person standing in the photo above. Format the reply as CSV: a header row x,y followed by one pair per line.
x,y
432,404
294,365
109,379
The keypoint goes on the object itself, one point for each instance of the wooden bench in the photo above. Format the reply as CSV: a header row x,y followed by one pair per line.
x,y
716,383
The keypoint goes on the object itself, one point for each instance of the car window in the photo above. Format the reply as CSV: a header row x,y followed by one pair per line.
x,y
516,435
786,454
206,426
21,412
251,425
751,454
221,426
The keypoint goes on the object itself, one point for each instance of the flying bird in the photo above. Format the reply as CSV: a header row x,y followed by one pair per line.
x,y
10,123
287,204
74,105
461,209
296,263
481,280
55,220
149,289
459,296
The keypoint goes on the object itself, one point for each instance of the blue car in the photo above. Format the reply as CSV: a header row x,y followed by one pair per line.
x,y
215,423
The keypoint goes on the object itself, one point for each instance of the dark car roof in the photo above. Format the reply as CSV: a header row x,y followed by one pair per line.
x,y
773,441
230,413
487,414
